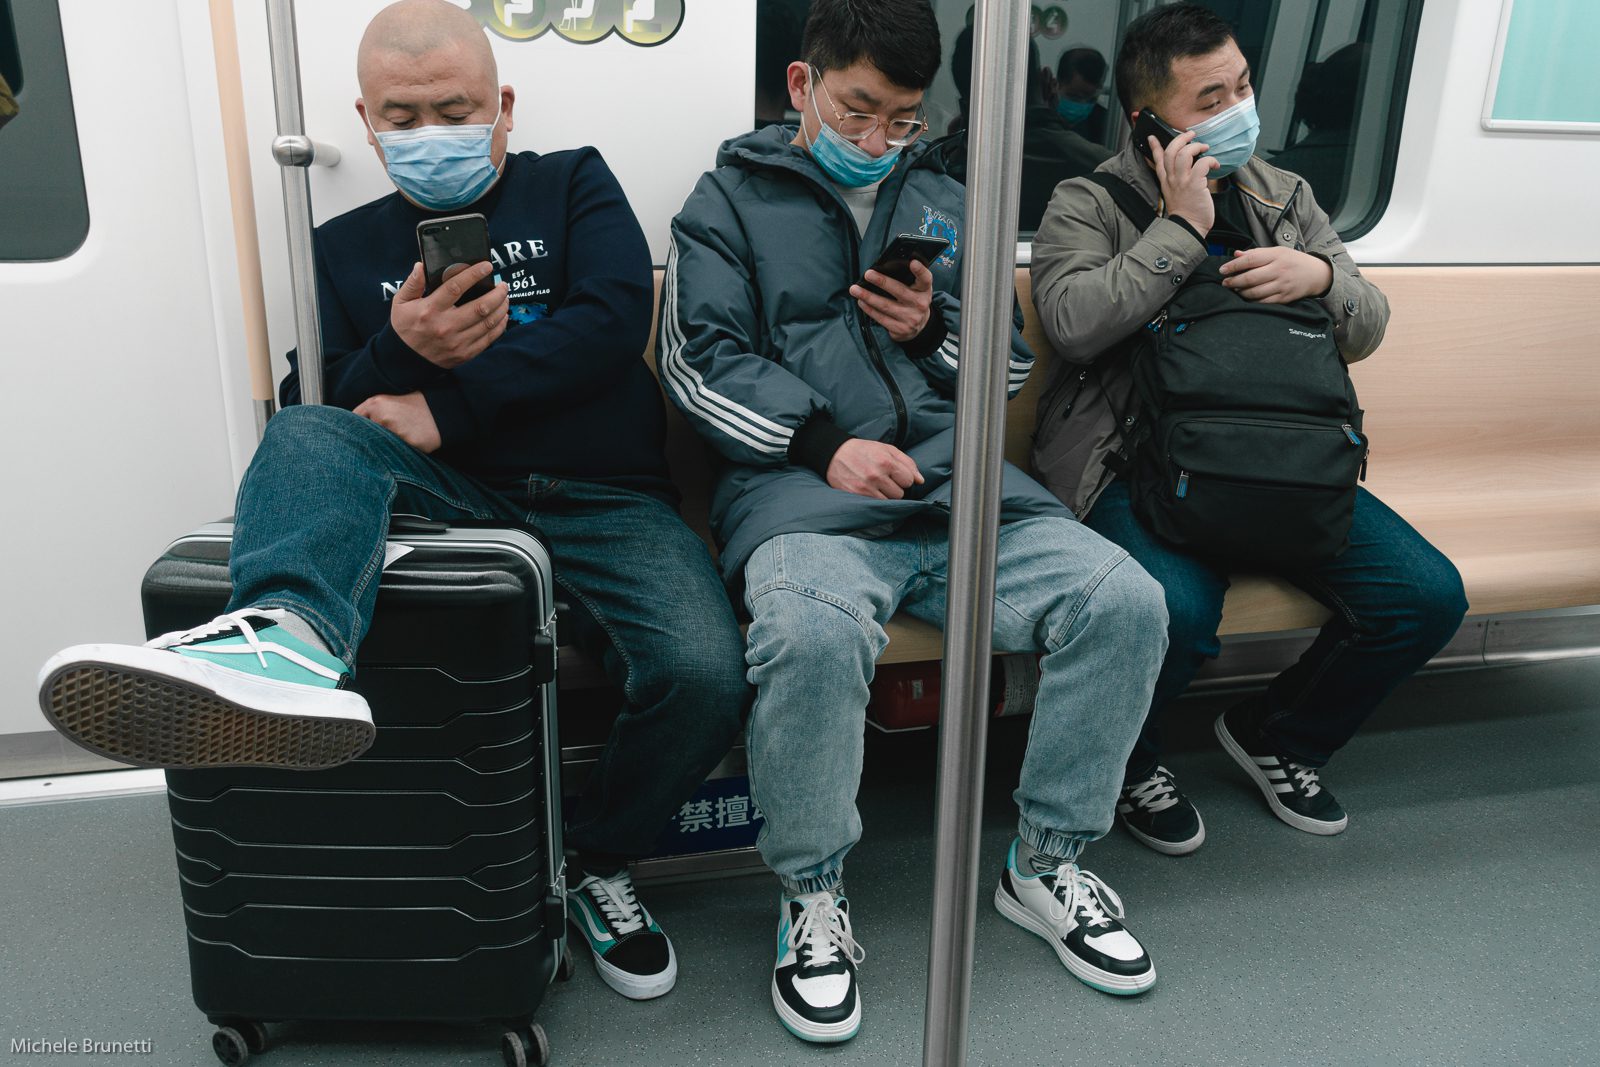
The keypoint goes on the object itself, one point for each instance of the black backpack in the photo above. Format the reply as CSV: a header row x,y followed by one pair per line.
x,y
1244,442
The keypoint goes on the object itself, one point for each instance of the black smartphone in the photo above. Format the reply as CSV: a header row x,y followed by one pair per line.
x,y
896,259
449,246
1149,125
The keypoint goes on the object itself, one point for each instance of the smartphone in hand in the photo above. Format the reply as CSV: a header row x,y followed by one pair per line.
x,y
896,259
449,246
1149,125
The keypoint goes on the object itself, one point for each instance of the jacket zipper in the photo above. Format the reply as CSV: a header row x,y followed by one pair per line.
x,y
874,353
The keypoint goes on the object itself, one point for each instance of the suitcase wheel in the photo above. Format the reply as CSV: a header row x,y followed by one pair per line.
x,y
237,1039
525,1047
567,967
230,1046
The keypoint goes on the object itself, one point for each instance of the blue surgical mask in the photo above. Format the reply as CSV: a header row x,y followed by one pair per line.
x,y
441,167
1231,136
1074,111
848,164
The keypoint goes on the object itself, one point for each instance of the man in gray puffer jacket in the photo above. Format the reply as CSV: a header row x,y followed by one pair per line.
x,y
1395,599
831,411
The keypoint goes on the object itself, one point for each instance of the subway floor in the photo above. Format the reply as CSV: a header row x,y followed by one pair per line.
x,y
1456,922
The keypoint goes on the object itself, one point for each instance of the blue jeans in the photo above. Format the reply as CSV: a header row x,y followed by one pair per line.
x,y
313,512
1396,600
818,604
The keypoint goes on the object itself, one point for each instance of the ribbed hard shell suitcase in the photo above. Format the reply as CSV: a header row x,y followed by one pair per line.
x,y
425,880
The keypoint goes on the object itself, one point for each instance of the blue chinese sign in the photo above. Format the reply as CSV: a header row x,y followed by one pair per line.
x,y
721,815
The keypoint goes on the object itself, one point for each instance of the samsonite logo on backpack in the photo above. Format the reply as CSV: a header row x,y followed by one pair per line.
x,y
1244,441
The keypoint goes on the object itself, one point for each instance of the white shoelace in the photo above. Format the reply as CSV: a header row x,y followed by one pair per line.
x,y
1078,889
1155,793
822,932
1307,777
223,624
615,898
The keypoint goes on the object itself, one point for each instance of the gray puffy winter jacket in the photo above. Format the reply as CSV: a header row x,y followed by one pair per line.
x,y
764,350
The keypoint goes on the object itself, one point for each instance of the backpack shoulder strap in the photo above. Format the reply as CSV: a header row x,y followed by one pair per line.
x,y
1126,198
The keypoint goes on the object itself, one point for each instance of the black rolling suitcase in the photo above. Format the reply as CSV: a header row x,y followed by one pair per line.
x,y
423,881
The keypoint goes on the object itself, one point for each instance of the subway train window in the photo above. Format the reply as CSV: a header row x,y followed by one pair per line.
x,y
44,212
1330,79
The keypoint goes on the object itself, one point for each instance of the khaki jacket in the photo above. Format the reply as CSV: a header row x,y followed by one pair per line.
x,y
1096,279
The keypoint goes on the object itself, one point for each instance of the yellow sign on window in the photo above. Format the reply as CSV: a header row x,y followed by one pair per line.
x,y
642,22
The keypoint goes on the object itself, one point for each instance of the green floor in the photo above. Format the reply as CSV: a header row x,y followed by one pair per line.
x,y
1456,922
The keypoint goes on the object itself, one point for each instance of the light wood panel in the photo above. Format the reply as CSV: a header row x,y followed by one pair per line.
x,y
1483,404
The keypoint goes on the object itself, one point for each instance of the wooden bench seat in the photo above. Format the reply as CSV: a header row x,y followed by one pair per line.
x,y
1483,405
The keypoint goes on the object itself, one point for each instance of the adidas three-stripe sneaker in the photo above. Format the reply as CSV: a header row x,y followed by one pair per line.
x,y
240,691
1080,917
631,953
814,980
1294,792
1155,811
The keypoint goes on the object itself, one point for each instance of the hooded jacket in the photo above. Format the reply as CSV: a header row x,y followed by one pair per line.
x,y
766,353
1097,279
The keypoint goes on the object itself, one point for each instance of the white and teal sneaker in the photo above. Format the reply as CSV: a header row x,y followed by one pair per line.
x,y
1078,915
240,691
814,981
631,953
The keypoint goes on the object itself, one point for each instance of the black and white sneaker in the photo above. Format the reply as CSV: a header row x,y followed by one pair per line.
x,y
1294,791
1078,915
814,981
1155,811
631,953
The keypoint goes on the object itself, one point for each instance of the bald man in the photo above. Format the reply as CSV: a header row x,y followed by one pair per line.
x,y
527,404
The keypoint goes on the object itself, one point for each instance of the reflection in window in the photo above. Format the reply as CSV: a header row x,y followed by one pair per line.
x,y
43,210
10,66
1325,105
1330,78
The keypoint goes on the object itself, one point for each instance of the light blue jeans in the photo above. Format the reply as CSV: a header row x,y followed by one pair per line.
x,y
818,603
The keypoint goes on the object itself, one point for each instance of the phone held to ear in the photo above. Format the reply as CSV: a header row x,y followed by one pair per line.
x,y
896,259
1149,125
449,246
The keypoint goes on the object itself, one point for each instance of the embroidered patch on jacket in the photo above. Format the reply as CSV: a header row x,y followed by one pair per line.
x,y
938,224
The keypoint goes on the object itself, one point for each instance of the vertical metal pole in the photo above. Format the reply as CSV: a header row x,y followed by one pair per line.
x,y
296,193
994,176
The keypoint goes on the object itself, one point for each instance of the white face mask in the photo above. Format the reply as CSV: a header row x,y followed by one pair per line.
x,y
1230,136
441,167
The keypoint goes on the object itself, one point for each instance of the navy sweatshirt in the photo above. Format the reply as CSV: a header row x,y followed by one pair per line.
x,y
564,392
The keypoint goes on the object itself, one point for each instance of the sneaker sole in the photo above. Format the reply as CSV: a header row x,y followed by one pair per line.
x,y
1118,985
116,703
637,986
817,1033
1258,776
1167,848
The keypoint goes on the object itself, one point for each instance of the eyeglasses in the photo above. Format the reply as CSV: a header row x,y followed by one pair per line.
x,y
857,126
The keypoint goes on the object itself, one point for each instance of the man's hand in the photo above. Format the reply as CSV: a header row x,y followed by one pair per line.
x,y
407,417
1276,275
905,311
872,468
1182,169
438,331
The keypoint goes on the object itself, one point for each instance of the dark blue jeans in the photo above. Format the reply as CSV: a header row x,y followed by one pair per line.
x,y
1396,600
313,512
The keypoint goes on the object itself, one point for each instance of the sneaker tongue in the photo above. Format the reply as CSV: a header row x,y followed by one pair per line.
x,y
835,966
1042,864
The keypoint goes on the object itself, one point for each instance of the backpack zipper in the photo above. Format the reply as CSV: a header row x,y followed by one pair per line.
x,y
1355,439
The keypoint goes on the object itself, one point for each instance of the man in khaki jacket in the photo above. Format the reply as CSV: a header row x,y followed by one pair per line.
x,y
1096,280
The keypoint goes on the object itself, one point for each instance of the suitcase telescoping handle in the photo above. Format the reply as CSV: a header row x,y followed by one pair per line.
x,y
294,152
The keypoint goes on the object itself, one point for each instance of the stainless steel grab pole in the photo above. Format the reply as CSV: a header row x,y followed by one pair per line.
x,y
294,152
994,176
